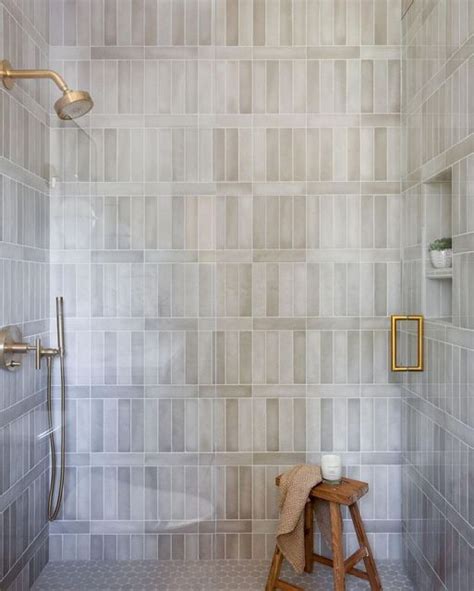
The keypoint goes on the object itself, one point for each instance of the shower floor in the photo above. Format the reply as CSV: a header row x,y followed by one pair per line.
x,y
218,575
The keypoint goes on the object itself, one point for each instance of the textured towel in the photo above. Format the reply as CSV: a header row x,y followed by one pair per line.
x,y
295,486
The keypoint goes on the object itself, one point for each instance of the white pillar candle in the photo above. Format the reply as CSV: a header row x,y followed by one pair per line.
x,y
331,468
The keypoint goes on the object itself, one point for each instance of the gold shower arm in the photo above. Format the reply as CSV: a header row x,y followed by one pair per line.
x,y
71,105
8,75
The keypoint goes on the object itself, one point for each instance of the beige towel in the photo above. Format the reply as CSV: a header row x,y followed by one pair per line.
x,y
295,486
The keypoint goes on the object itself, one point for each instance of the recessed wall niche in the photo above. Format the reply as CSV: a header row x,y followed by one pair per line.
x,y
437,207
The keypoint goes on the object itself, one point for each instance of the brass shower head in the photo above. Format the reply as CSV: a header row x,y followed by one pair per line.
x,y
73,103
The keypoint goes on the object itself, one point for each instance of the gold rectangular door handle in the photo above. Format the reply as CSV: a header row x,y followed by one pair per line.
x,y
394,342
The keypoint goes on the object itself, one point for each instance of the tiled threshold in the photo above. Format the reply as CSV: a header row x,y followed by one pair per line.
x,y
216,575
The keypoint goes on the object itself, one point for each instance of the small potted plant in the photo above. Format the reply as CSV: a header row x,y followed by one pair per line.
x,y
441,253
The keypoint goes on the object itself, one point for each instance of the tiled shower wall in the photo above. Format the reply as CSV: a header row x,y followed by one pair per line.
x,y
225,230
24,277
438,199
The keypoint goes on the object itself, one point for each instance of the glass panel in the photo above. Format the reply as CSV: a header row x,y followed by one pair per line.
x,y
437,173
207,238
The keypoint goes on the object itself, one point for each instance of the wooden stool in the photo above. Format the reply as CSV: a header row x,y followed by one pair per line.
x,y
346,493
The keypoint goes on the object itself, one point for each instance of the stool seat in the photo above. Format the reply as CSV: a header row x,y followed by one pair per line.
x,y
347,493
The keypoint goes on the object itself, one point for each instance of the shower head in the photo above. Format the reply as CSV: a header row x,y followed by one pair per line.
x,y
73,103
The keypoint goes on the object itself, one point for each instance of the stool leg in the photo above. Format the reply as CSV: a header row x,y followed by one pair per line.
x,y
337,547
370,566
274,569
308,537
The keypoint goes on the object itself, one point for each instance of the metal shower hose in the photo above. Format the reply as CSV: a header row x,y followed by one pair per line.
x,y
54,507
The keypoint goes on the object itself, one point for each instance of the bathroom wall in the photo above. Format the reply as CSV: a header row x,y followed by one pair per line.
x,y
438,198
225,229
24,276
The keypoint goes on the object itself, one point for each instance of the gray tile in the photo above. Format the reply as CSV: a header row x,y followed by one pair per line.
x,y
177,574
267,133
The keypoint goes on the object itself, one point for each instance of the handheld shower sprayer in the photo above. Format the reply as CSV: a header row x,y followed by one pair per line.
x,y
11,350
60,324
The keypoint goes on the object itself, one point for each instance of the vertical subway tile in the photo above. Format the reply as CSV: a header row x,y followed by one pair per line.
x,y
301,128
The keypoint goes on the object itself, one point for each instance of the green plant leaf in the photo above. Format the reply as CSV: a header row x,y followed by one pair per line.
x,y
441,244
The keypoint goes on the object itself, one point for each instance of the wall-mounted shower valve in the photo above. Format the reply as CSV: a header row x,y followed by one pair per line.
x,y
11,349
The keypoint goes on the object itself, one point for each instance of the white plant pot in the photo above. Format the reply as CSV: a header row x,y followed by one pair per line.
x,y
441,259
